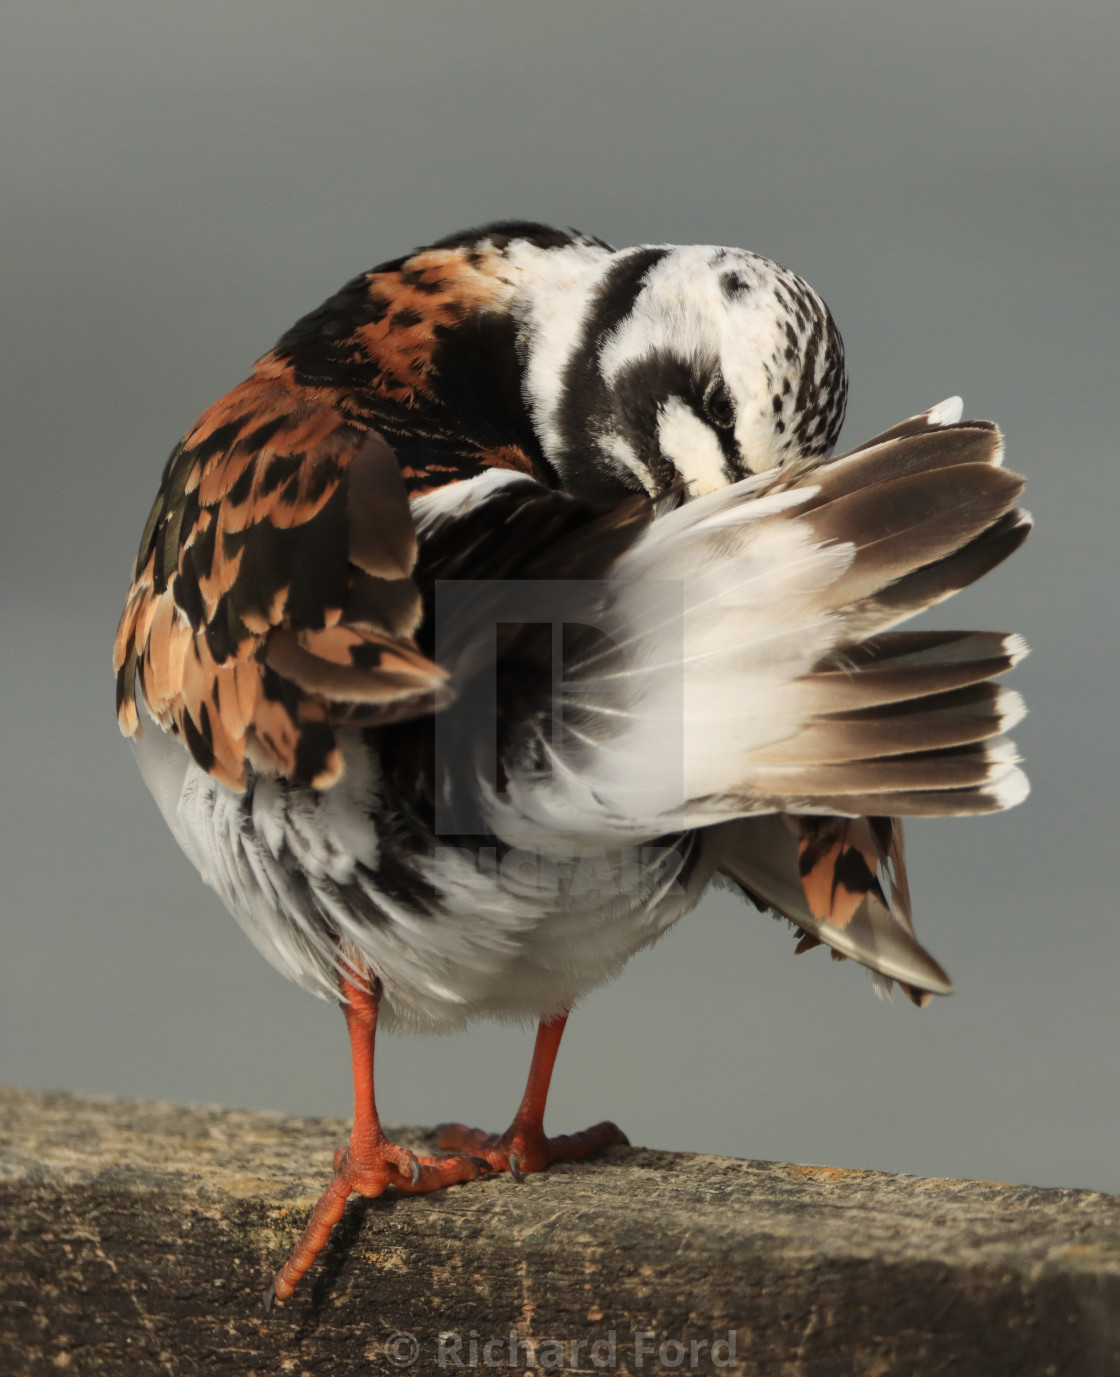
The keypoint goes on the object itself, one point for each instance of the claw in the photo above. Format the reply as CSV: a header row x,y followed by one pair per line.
x,y
482,1163
416,1173
270,1297
515,1170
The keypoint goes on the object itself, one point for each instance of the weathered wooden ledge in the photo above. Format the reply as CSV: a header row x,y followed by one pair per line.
x,y
139,1238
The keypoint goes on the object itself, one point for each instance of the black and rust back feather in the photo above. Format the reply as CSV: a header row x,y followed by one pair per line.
x,y
272,595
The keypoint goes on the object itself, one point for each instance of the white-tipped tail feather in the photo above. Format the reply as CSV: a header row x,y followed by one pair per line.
x,y
748,666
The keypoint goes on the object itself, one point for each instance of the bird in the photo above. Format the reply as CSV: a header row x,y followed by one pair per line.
x,y
515,599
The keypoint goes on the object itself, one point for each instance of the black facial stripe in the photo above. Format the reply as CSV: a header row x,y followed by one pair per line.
x,y
585,404
639,391
618,292
733,463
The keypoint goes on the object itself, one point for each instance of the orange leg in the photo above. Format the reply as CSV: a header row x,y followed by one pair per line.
x,y
371,1162
523,1147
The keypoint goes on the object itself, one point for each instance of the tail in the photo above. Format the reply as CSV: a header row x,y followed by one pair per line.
x,y
841,881
745,679
744,662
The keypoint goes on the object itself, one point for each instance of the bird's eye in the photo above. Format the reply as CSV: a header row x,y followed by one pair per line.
x,y
720,407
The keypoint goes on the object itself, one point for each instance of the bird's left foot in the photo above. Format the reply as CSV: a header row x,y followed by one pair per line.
x,y
523,1148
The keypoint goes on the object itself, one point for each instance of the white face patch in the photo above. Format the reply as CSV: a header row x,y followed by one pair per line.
x,y
691,447
760,454
650,331
727,313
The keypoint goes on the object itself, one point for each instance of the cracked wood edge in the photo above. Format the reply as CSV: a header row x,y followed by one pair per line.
x,y
139,1237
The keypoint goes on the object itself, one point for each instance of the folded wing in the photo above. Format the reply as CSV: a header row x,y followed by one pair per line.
x,y
272,597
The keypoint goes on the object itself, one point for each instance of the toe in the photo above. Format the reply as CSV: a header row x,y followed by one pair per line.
x,y
434,1173
460,1138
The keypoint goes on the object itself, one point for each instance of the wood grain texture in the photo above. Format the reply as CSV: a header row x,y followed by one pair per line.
x,y
139,1238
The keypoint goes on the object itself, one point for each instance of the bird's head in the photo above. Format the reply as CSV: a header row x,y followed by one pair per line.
x,y
660,366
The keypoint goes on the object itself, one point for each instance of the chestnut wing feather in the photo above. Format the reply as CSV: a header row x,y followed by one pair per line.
x,y
272,596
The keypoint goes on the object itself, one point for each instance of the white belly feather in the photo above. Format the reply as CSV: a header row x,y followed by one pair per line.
x,y
513,934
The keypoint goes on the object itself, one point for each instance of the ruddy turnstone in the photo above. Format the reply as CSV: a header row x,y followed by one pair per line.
x,y
512,601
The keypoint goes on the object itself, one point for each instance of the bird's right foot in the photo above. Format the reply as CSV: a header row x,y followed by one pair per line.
x,y
367,1169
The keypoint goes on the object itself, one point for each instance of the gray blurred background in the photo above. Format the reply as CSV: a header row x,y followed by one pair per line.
x,y
180,182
